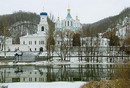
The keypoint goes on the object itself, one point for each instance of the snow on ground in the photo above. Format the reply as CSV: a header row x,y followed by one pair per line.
x,y
44,85
52,63
7,53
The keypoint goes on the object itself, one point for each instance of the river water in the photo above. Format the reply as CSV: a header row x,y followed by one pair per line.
x,y
52,73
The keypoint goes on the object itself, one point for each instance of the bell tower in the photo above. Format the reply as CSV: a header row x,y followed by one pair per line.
x,y
43,24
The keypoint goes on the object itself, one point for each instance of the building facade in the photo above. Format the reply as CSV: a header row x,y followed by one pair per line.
x,y
123,29
37,42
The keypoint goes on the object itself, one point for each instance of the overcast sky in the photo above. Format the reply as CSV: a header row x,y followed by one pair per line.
x,y
89,11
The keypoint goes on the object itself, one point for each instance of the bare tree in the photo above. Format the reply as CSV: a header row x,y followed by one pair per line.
x,y
50,37
65,39
5,33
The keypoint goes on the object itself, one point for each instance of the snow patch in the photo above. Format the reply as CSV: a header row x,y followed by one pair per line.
x,y
45,85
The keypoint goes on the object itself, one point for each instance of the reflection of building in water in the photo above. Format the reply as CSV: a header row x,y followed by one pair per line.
x,y
57,73
22,74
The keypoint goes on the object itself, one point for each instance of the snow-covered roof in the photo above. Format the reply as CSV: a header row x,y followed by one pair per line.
x,y
93,38
33,35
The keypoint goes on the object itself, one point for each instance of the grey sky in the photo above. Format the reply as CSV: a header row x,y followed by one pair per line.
x,y
89,11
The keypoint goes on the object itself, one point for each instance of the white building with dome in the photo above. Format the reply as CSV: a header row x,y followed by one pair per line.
x,y
68,23
34,42
37,42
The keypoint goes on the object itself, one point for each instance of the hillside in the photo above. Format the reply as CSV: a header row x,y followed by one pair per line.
x,y
17,17
106,23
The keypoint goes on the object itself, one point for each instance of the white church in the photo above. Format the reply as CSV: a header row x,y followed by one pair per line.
x,y
34,42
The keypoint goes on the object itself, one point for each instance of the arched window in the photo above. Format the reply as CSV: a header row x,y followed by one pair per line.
x,y
65,23
42,29
23,42
68,23
35,42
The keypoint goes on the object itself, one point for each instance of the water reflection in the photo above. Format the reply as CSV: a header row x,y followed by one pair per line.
x,y
56,73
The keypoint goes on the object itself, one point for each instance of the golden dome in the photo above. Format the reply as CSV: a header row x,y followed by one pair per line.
x,y
68,9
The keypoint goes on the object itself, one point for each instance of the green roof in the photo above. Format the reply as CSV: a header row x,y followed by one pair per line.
x,y
68,15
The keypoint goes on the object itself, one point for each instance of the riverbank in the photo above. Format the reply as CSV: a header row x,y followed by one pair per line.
x,y
44,85
121,79
117,83
49,63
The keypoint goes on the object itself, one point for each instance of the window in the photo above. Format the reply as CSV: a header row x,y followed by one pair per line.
x,y
30,79
65,23
42,29
71,23
23,42
30,42
35,49
24,79
42,42
35,42
40,79
68,23
35,79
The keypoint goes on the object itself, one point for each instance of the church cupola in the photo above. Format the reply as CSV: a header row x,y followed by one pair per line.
x,y
43,24
68,15
43,14
43,17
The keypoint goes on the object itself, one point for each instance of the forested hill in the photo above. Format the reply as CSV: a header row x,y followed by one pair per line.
x,y
106,23
17,17
20,16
